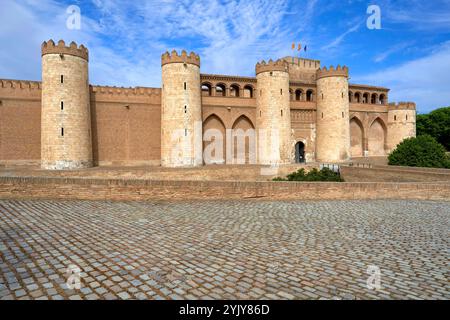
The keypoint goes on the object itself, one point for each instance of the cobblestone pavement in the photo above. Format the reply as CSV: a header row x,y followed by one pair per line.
x,y
224,250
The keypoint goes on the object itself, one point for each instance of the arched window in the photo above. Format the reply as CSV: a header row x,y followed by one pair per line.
x,y
234,90
220,90
357,97
299,95
366,98
206,90
350,96
310,95
382,99
374,98
248,91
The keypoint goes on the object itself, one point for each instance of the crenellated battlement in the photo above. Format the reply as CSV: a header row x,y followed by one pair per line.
x,y
20,84
174,57
49,47
402,106
332,72
137,91
278,65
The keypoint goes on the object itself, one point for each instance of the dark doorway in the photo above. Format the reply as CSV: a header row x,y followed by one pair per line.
x,y
300,152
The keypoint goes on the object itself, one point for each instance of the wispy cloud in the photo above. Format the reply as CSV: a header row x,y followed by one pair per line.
x,y
339,39
418,14
394,49
424,80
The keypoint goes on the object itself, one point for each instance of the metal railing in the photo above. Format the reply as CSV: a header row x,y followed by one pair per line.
x,y
333,167
361,165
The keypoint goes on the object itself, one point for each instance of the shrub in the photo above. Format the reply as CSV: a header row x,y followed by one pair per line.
x,y
314,175
423,151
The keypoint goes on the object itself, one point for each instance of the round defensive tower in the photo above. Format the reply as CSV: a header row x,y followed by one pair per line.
x,y
401,123
333,124
65,118
181,114
273,116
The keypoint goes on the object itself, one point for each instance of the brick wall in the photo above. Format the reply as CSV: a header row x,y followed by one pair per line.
x,y
20,121
394,174
142,190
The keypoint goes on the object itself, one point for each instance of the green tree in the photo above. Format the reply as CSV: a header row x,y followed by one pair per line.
x,y
437,125
423,151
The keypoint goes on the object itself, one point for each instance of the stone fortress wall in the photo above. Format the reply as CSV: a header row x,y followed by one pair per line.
x,y
128,125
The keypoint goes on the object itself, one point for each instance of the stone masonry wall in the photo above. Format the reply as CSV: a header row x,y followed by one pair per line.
x,y
401,124
66,140
273,118
332,127
181,115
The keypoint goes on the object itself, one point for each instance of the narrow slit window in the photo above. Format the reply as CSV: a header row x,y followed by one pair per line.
x,y
342,115
62,105
281,112
62,78
185,109
281,91
406,117
185,86
322,115
62,132
395,118
185,132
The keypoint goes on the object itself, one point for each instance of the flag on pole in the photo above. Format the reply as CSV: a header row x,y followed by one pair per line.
x,y
306,48
299,47
293,46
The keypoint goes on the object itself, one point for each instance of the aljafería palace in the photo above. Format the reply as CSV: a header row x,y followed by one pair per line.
x,y
298,110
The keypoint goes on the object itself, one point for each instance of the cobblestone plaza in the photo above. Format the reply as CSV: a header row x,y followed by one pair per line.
x,y
224,250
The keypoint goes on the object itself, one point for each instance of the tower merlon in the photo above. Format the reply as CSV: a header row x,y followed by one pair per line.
x,y
174,57
332,72
402,106
49,47
278,65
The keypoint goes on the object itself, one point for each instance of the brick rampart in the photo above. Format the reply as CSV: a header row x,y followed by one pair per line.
x,y
144,190
394,174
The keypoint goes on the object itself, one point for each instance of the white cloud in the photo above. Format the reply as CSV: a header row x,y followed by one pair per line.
x,y
26,24
394,49
418,14
126,39
424,80
338,40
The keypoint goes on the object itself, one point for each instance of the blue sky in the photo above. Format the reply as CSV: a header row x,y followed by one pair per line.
x,y
410,54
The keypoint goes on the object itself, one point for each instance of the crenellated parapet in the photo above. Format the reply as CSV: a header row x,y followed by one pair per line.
x,y
136,91
174,57
278,65
18,89
332,72
19,84
402,106
49,47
